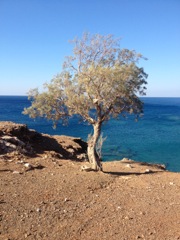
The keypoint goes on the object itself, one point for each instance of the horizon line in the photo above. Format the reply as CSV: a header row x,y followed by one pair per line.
x,y
19,95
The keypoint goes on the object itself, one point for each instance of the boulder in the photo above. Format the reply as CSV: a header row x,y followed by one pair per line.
x,y
17,137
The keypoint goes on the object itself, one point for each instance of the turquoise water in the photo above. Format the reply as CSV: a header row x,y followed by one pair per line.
x,y
155,138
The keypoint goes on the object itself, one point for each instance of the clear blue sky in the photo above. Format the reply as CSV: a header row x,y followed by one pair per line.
x,y
34,38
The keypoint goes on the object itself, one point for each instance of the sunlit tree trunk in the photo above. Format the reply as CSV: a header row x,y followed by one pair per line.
x,y
94,159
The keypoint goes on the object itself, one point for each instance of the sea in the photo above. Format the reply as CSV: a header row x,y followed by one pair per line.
x,y
154,138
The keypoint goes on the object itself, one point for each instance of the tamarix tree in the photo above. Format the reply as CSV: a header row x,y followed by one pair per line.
x,y
98,82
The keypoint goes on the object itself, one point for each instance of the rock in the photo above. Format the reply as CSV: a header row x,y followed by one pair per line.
x,y
138,237
128,166
125,160
13,140
28,165
82,157
14,129
125,178
71,150
26,235
148,171
38,210
161,166
66,200
16,172
86,168
18,138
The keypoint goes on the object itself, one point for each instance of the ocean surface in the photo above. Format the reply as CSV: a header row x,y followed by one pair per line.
x,y
155,138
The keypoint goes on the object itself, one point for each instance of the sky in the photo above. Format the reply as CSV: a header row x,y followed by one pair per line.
x,y
35,34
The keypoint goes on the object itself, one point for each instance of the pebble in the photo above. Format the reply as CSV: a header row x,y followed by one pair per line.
x,y
20,162
129,166
28,165
148,171
28,234
142,213
125,178
140,237
86,168
16,172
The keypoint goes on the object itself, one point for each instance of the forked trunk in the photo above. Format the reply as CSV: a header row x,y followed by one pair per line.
x,y
94,159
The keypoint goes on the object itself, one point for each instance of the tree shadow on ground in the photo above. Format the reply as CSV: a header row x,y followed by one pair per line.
x,y
130,173
156,165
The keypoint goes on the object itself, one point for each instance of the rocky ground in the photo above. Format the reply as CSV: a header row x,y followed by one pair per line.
x,y
44,194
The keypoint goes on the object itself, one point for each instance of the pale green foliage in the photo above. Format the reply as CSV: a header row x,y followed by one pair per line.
x,y
99,76
50,104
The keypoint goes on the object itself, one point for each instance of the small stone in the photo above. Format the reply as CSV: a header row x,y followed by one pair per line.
x,y
86,168
38,210
16,172
128,166
125,178
20,162
125,160
71,150
171,183
142,213
28,165
148,171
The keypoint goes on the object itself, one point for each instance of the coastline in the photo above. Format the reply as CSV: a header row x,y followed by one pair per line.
x,y
153,138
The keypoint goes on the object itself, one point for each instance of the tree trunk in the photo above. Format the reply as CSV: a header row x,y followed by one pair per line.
x,y
91,151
